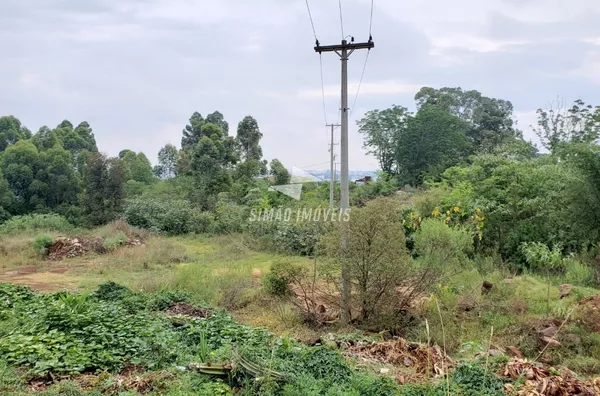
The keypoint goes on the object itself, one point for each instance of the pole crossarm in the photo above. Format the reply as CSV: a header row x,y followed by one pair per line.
x,y
344,46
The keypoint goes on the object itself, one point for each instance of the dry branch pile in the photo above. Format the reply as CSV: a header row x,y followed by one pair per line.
x,y
537,380
63,248
186,309
424,359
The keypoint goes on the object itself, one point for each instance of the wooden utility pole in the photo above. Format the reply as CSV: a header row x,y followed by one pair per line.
x,y
344,50
331,170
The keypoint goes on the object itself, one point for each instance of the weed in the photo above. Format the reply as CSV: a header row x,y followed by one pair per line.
x,y
166,299
42,243
115,242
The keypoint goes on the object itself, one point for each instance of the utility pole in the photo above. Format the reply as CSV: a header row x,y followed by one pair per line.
x,y
332,159
344,51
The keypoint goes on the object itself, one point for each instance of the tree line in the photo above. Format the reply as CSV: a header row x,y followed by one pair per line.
x,y
61,170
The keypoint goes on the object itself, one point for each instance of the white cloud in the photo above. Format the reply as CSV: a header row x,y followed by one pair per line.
x,y
374,88
258,12
592,40
250,47
590,68
30,80
472,43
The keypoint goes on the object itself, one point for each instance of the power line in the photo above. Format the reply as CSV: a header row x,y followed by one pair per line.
x,y
311,21
323,89
371,20
362,75
310,165
341,18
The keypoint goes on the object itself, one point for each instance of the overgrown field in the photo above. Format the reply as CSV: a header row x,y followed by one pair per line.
x,y
183,300
118,341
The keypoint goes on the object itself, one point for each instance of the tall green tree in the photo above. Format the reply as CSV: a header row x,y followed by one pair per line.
x,y
248,139
6,199
57,178
137,166
84,131
218,119
558,124
45,138
11,131
103,196
193,131
433,140
168,157
74,140
490,120
382,130
279,172
20,163
211,161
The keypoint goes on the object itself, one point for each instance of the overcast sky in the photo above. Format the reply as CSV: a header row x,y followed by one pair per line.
x,y
137,69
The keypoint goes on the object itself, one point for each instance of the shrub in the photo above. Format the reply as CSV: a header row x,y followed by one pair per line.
x,y
299,237
275,286
376,258
229,217
35,222
110,291
42,243
202,222
577,272
115,242
277,282
441,247
173,217
166,299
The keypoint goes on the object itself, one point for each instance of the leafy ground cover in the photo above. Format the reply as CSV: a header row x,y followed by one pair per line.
x,y
58,341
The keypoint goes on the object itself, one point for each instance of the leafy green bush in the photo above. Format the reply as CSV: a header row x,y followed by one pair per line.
x,y
202,222
166,299
115,242
110,291
439,246
299,237
42,243
578,273
35,222
230,218
171,216
277,282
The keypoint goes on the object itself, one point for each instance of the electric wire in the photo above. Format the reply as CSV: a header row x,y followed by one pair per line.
x,y
362,75
323,89
341,18
371,19
311,21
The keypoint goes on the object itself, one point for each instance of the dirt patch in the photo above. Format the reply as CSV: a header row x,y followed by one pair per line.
x,y
426,360
24,270
40,279
539,380
186,309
